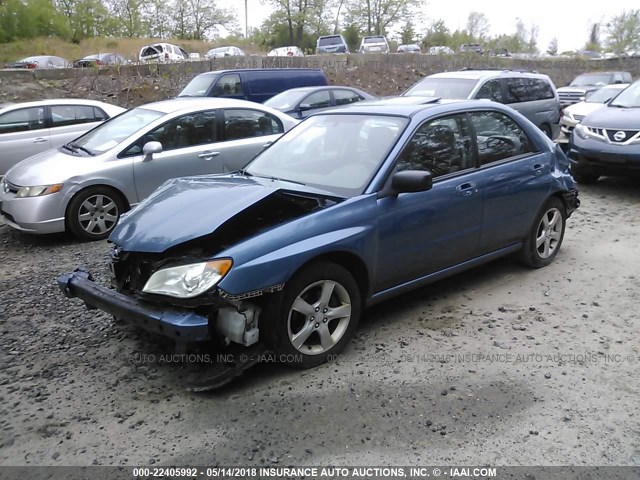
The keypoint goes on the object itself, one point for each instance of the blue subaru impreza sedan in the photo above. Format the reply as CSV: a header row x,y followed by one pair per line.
x,y
351,207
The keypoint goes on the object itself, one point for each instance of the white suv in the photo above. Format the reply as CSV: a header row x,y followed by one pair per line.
x,y
374,44
162,52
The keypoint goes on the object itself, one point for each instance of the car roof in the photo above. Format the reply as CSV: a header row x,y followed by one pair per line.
x,y
372,108
182,103
241,70
480,74
54,101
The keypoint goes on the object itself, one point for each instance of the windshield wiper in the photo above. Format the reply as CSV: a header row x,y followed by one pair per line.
x,y
85,150
276,179
70,148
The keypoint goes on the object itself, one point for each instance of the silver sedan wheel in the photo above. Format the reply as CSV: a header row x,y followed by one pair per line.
x,y
98,214
549,233
319,317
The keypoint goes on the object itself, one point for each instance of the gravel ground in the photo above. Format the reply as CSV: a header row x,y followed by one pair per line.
x,y
500,365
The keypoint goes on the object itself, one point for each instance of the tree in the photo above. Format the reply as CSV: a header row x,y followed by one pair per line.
x,y
352,35
128,16
593,43
624,31
552,49
296,13
407,34
437,34
532,44
375,17
477,25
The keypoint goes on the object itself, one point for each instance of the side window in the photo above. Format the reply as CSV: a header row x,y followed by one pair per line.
x,y
64,115
539,89
491,90
516,90
249,123
344,97
441,146
319,99
188,130
228,85
99,114
499,137
22,120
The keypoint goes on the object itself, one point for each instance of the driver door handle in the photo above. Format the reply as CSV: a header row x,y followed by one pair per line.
x,y
537,168
466,189
40,140
208,155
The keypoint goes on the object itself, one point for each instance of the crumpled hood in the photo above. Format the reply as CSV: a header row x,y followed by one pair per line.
x,y
187,208
50,167
614,117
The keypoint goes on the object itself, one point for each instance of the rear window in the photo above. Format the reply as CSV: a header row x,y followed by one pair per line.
x,y
152,50
455,88
335,40
373,39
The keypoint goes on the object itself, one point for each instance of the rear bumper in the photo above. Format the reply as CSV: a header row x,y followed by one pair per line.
x,y
180,325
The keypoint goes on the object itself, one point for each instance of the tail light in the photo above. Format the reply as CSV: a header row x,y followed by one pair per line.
x,y
99,62
166,56
32,65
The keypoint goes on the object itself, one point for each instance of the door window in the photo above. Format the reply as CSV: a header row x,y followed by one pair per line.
x,y
345,97
22,120
228,85
240,123
491,90
63,115
539,89
516,90
188,130
441,146
319,99
499,136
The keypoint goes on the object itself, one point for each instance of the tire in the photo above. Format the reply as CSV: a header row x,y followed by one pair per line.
x,y
543,242
294,321
583,177
92,213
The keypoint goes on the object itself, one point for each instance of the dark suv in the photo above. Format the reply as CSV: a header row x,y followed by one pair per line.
x,y
331,44
589,82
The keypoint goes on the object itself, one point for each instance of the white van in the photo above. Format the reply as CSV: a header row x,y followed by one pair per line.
x,y
162,52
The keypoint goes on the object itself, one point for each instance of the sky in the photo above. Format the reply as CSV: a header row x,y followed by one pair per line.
x,y
568,21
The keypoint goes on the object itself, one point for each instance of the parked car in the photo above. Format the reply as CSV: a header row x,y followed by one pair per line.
x,y
256,85
589,82
499,52
286,52
607,141
33,127
162,52
532,94
100,60
374,44
353,206
85,185
574,114
221,52
440,50
471,47
194,56
40,61
331,44
409,48
305,101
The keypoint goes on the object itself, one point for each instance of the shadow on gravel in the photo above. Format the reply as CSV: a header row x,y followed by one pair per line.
x,y
34,241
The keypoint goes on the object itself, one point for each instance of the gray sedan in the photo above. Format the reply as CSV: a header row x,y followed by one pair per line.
x,y
304,101
33,127
85,185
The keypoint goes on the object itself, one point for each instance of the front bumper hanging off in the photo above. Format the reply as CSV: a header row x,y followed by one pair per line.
x,y
182,326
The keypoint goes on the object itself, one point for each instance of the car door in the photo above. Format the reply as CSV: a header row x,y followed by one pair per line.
x,y
313,103
425,232
513,178
70,121
188,148
244,133
23,133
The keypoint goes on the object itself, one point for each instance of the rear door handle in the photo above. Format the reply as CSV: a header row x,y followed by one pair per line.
x,y
537,168
466,189
40,140
208,155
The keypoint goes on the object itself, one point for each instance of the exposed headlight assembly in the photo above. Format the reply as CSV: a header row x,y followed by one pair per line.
x,y
188,281
38,191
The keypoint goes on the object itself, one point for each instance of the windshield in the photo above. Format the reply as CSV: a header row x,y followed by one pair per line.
x,y
628,98
456,88
218,50
329,41
336,153
112,132
198,87
373,39
285,100
603,95
591,79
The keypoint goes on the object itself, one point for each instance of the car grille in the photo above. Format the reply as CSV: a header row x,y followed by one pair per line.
x,y
615,136
570,97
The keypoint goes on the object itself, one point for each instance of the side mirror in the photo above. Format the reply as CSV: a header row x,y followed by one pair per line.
x,y
150,148
411,181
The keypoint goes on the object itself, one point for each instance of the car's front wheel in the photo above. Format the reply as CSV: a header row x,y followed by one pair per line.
x,y
543,242
93,213
315,316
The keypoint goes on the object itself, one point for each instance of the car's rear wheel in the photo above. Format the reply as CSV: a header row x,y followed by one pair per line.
x,y
314,318
583,177
93,213
543,242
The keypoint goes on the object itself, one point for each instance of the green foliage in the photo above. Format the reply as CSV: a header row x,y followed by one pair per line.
x,y
408,34
375,17
352,35
624,31
552,49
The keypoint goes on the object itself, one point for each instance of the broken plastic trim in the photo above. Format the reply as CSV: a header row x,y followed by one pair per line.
x,y
251,294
